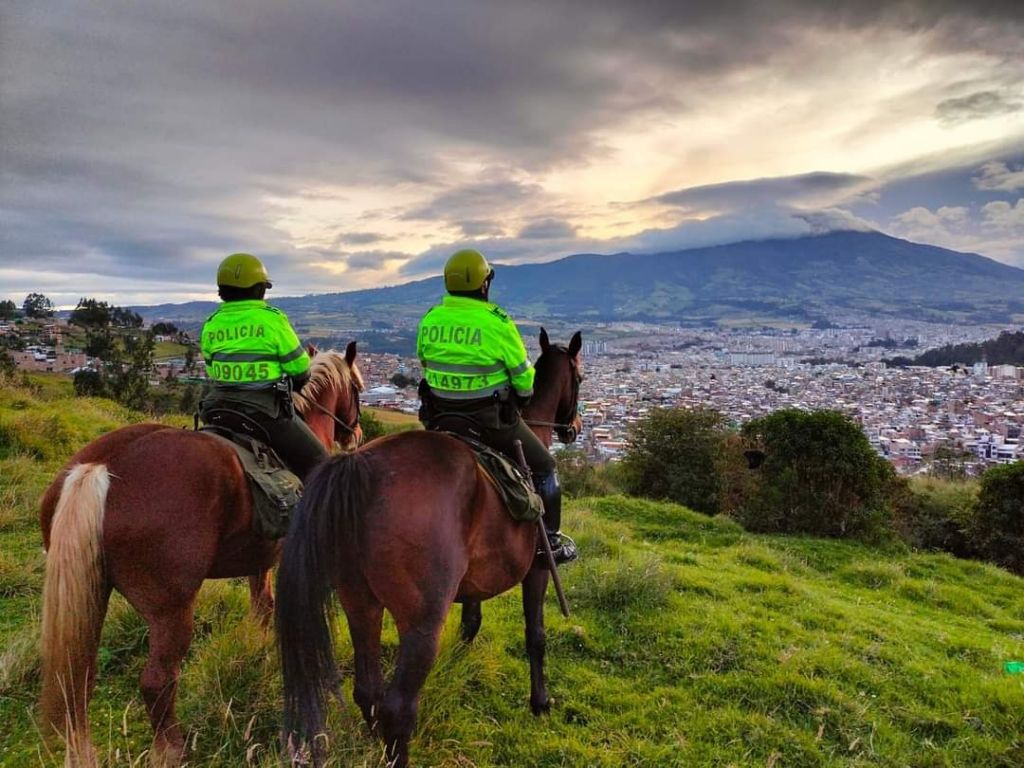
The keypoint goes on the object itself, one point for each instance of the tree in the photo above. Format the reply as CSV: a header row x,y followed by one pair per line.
x,y
8,310
190,360
130,374
36,305
90,313
950,463
165,329
671,454
7,366
125,318
402,381
998,526
89,383
820,475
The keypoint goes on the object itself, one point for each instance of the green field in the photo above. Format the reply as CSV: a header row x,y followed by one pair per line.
x,y
692,643
167,349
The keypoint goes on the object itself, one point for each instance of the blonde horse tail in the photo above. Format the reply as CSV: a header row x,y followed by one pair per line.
x,y
74,605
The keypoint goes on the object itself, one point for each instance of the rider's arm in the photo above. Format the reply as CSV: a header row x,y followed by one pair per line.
x,y
520,369
292,355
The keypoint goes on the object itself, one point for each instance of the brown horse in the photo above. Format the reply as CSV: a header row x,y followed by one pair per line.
x,y
408,524
152,511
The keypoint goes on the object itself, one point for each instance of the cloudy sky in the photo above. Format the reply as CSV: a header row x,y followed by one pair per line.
x,y
354,144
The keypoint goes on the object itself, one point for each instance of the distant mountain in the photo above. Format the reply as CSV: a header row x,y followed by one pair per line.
x,y
796,279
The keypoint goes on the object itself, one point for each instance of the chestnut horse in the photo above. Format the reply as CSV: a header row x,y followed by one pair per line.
x,y
408,524
152,511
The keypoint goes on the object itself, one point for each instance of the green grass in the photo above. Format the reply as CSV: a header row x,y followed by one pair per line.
x,y
167,349
691,643
394,420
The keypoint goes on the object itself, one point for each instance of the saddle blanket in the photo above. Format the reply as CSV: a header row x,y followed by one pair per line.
x,y
516,490
275,489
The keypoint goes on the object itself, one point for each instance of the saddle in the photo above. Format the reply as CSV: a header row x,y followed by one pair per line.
x,y
276,490
514,486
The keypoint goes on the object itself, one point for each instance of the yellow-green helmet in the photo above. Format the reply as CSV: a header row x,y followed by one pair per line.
x,y
466,270
242,270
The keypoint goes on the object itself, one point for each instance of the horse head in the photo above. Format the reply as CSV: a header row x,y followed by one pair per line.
x,y
557,388
330,400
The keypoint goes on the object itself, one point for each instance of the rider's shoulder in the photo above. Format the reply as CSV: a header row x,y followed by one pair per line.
x,y
272,310
499,313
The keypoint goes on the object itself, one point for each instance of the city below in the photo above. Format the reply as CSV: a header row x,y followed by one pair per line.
x,y
911,415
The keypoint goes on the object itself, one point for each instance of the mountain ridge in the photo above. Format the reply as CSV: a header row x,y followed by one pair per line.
x,y
799,279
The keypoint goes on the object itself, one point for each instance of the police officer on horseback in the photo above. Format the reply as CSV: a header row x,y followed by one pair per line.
x,y
254,362
476,374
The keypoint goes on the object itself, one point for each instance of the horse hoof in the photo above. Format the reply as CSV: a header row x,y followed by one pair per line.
x,y
541,707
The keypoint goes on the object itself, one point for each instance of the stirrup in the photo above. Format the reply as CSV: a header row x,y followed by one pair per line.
x,y
563,549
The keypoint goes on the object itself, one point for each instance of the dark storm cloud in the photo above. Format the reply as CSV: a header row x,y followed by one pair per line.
x,y
361,238
547,229
475,198
372,260
479,227
976,106
142,139
732,195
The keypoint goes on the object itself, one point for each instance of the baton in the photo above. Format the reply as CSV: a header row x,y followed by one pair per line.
x,y
545,544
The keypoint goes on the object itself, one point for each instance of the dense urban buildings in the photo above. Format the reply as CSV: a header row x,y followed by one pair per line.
x,y
911,415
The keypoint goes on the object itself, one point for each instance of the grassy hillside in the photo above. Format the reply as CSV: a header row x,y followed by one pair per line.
x,y
691,644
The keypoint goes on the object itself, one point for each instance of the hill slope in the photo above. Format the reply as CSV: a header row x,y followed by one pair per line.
x,y
801,278
691,644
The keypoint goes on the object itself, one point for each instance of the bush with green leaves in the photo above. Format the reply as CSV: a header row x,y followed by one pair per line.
x,y
372,426
672,455
998,530
820,475
579,476
931,513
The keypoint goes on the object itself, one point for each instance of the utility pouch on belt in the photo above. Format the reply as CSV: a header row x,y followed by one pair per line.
x,y
283,387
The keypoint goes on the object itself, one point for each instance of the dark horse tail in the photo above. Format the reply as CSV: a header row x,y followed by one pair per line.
x,y
321,540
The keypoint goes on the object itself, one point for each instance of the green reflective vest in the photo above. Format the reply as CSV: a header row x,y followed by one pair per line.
x,y
471,349
250,345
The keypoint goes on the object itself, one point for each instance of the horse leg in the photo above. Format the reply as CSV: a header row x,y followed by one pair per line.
x,y
471,618
261,595
417,649
170,634
534,586
364,623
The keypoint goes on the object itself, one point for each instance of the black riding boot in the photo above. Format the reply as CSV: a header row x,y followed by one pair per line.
x,y
562,547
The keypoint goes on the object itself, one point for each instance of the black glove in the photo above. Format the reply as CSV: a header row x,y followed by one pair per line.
x,y
522,402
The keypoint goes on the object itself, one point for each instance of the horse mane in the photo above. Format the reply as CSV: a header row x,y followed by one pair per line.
x,y
328,369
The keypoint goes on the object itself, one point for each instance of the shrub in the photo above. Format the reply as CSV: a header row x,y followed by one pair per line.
x,y
89,383
934,514
579,476
671,455
372,426
820,476
998,527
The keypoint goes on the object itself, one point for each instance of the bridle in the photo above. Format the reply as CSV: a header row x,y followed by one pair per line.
x,y
355,398
564,423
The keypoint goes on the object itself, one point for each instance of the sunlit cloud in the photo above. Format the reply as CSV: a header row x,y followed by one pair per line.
x,y
361,146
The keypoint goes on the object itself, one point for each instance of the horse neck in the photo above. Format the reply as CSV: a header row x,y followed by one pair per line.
x,y
543,407
321,423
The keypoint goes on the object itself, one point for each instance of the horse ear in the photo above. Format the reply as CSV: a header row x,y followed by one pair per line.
x,y
312,350
544,342
575,344
350,352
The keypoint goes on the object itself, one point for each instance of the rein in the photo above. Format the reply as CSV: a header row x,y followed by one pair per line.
x,y
566,426
339,422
